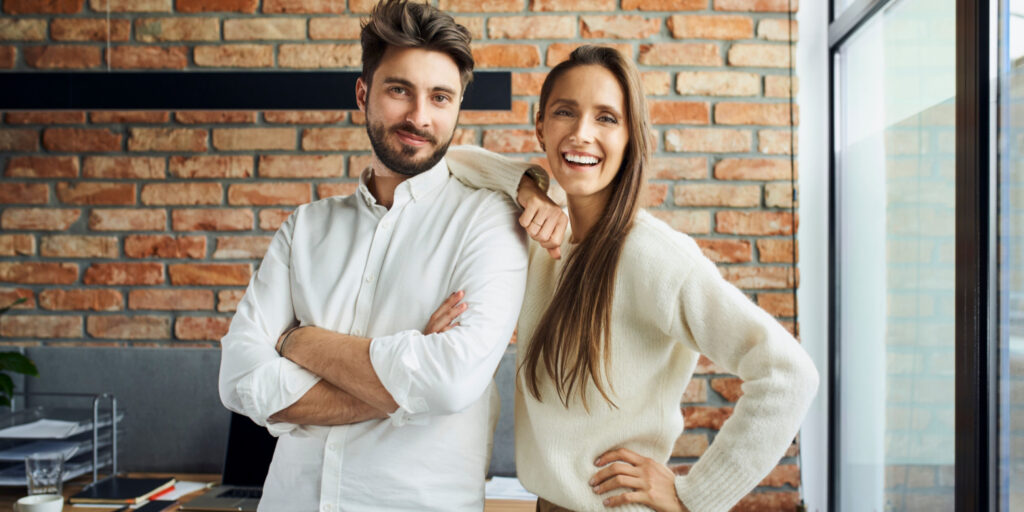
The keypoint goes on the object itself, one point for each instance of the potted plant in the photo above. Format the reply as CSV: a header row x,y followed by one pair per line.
x,y
13,362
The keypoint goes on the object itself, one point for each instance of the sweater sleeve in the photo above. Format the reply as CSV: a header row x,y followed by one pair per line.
x,y
479,168
779,382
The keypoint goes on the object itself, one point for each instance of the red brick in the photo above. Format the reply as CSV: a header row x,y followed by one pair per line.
x,y
304,116
215,116
780,195
246,6
156,30
465,136
680,54
209,274
757,5
42,167
129,327
358,118
760,55
181,193
124,167
251,139
686,221
40,326
314,56
511,141
303,6
774,114
728,387
165,246
130,5
726,250
336,189
656,83
148,57
212,220
506,56
7,55
618,27
777,142
711,27
705,194
677,168
132,219
304,166
78,246
170,299
271,219
70,117
24,193
786,501
81,139
678,112
212,166
760,277
334,27
9,295
19,140
572,5
706,417
235,56
706,366
227,300
263,194
43,6
696,392
557,52
665,5
39,219
335,139
531,27
708,140
777,304
89,29
167,139
474,24
754,223
17,245
653,195
241,247
527,84
690,445
124,273
96,193
488,6
81,299
22,29
520,114
753,169
201,328
265,29
38,273
358,163
129,116
776,86
783,474
778,30
776,251
718,83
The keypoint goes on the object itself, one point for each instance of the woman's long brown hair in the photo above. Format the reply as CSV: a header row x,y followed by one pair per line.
x,y
573,336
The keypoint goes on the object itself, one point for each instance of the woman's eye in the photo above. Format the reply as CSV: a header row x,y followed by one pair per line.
x,y
608,119
562,112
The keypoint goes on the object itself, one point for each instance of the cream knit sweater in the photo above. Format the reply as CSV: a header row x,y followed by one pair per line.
x,y
671,304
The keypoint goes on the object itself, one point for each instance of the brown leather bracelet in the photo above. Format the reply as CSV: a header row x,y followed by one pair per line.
x,y
284,338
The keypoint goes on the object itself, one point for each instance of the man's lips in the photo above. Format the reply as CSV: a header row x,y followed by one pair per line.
x,y
411,139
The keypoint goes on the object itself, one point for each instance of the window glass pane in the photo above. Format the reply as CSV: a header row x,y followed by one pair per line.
x,y
896,231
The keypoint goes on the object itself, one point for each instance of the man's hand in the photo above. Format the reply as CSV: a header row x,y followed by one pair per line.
x,y
543,220
649,482
442,319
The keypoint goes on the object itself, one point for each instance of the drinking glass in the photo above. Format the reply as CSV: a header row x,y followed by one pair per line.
x,y
45,472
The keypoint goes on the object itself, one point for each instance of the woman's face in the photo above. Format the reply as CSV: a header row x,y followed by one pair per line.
x,y
583,130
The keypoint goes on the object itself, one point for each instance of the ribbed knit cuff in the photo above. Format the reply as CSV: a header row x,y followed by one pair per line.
x,y
714,484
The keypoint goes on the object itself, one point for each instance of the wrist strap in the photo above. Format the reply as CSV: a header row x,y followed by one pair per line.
x,y
284,338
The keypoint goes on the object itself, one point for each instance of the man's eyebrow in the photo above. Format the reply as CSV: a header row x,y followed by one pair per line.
x,y
408,84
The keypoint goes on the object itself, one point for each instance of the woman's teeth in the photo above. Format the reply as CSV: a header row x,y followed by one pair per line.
x,y
579,159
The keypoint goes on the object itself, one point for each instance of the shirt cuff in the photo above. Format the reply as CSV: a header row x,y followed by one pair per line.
x,y
272,387
395,374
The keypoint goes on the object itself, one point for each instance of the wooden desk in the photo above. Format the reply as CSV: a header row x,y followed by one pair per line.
x,y
9,495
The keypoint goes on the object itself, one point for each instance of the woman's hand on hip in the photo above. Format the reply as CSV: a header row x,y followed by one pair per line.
x,y
648,482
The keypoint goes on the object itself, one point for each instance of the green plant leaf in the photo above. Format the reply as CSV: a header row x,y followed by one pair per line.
x,y
6,386
11,305
18,363
4,401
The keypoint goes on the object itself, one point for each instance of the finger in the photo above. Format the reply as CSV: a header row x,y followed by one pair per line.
x,y
559,233
456,324
622,454
448,316
448,303
612,470
621,482
529,212
627,498
544,236
555,252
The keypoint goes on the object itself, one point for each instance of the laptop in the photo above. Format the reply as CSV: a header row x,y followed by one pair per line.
x,y
246,462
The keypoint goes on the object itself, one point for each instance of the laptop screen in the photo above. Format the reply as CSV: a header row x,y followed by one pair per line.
x,y
250,450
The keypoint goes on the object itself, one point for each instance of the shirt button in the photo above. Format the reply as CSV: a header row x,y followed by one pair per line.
x,y
326,507
333,446
369,278
357,332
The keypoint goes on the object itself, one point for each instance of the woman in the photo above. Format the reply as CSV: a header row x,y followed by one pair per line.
x,y
611,332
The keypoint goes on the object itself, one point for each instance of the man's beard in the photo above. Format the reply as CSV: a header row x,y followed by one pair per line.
x,y
401,160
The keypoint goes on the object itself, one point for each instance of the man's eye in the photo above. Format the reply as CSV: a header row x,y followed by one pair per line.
x,y
397,90
440,98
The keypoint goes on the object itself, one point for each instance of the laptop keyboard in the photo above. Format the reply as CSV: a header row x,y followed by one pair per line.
x,y
241,493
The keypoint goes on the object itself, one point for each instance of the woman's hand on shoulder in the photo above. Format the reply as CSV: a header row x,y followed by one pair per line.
x,y
648,482
542,219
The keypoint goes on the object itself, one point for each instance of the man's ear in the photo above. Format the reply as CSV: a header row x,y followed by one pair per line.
x,y
362,89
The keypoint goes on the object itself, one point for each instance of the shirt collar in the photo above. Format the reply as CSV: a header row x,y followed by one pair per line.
x,y
418,187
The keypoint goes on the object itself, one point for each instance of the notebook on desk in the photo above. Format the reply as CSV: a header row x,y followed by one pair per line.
x,y
246,461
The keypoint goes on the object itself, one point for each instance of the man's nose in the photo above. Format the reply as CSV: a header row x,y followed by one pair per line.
x,y
418,114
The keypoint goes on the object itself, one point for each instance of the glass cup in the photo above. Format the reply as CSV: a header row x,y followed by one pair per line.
x,y
45,473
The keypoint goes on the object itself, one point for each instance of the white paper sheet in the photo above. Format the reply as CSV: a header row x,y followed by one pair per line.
x,y
506,488
42,429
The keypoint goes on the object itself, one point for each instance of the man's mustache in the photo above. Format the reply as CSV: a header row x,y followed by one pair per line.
x,y
409,128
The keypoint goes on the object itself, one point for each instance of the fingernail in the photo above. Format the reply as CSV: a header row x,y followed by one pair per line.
x,y
594,488
597,461
592,482
606,501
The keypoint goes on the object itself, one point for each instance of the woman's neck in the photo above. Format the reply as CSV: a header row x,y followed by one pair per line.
x,y
585,211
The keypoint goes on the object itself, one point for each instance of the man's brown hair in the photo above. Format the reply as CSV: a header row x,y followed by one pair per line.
x,y
406,24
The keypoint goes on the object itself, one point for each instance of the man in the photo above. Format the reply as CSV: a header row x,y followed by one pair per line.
x,y
373,414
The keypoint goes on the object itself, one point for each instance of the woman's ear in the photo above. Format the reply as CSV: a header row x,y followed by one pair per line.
x,y
538,127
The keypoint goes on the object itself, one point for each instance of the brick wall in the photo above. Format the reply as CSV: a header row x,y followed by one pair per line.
x,y
142,228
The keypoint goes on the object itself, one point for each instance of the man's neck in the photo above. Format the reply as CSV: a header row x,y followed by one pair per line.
x,y
383,182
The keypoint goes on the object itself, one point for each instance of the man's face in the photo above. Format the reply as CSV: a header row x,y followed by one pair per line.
x,y
412,107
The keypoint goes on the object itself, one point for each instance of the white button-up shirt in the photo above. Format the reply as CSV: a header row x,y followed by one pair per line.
x,y
352,266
